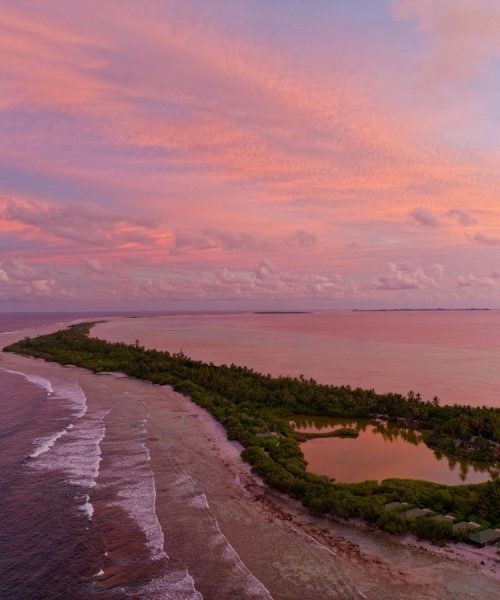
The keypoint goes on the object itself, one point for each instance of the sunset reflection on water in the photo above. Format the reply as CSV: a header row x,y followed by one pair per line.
x,y
382,451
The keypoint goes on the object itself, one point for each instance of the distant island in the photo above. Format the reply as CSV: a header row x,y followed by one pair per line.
x,y
282,312
417,309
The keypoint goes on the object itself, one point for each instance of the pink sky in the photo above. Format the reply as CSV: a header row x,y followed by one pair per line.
x,y
212,154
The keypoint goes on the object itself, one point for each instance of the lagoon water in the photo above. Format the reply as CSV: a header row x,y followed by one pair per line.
x,y
382,451
454,355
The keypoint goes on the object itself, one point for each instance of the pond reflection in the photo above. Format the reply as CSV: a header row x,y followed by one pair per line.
x,y
381,451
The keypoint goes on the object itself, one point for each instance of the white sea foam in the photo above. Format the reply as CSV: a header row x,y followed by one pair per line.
x,y
186,485
36,379
45,444
253,585
159,531
80,454
137,495
74,395
87,507
71,393
199,501
177,585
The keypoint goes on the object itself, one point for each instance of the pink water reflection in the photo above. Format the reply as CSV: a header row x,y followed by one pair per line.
x,y
455,355
381,452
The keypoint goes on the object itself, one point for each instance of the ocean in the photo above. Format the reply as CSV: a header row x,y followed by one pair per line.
x,y
46,546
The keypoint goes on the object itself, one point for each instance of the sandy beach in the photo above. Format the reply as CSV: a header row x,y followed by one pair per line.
x,y
226,535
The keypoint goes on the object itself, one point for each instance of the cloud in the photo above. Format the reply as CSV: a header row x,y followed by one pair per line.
x,y
137,115
264,282
20,281
462,35
473,280
78,224
216,239
112,135
185,243
93,264
424,218
484,238
43,287
233,240
4,277
408,277
462,217
304,239
211,238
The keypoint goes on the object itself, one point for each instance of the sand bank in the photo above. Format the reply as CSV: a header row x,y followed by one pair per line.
x,y
233,536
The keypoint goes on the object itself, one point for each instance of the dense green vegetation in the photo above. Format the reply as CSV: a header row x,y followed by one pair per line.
x,y
249,404
346,432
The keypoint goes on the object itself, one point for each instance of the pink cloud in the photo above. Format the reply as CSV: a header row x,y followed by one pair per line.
x,y
174,150
424,218
304,239
463,35
473,280
20,281
408,277
80,225
93,264
485,238
462,217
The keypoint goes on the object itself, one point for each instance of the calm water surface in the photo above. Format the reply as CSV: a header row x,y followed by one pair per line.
x,y
454,355
382,451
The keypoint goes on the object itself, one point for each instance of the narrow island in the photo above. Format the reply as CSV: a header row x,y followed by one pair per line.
x,y
256,410
282,312
436,309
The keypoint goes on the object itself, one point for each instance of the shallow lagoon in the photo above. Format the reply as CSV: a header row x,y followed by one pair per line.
x,y
382,451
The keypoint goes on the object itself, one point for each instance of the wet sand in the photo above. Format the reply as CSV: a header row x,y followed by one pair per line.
x,y
233,536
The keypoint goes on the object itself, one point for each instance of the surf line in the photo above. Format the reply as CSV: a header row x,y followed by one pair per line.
x,y
36,379
200,501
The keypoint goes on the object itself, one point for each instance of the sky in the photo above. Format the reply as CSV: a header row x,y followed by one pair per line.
x,y
270,154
